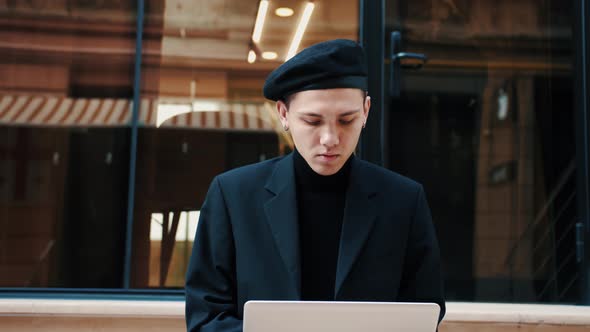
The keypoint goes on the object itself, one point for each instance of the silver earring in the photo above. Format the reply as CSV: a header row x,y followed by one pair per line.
x,y
364,124
285,127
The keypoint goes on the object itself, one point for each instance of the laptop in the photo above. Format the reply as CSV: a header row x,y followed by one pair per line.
x,y
297,316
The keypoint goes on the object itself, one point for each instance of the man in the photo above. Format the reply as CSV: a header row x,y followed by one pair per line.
x,y
317,224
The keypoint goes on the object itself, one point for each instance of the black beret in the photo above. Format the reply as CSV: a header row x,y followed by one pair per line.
x,y
338,63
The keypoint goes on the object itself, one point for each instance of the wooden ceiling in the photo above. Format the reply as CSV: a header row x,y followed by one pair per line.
x,y
221,29
208,40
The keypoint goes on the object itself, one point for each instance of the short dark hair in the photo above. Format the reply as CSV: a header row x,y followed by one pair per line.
x,y
288,98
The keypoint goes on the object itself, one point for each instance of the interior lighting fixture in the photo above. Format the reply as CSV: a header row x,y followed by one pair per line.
x,y
309,6
260,17
251,56
269,55
284,12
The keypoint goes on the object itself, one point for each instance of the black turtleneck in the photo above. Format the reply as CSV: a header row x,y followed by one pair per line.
x,y
320,201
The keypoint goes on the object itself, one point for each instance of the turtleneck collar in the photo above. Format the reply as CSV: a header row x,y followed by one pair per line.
x,y
308,180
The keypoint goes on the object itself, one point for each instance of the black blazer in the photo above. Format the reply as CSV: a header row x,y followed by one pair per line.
x,y
247,246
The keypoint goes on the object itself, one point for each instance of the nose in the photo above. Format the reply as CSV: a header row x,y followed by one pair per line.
x,y
329,137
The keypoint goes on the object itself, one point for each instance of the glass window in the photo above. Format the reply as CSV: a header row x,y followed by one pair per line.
x,y
488,127
203,112
66,71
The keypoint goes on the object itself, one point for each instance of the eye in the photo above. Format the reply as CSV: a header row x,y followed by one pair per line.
x,y
346,122
311,122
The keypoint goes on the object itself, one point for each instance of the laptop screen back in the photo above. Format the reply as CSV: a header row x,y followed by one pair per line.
x,y
297,316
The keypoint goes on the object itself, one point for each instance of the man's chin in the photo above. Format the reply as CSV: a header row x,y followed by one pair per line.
x,y
326,170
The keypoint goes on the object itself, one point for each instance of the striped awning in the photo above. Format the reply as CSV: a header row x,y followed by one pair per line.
x,y
37,110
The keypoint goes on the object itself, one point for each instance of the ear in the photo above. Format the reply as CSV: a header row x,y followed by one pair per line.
x,y
366,107
282,110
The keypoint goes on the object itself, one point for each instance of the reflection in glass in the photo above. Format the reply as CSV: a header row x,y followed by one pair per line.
x,y
171,238
65,100
495,150
203,73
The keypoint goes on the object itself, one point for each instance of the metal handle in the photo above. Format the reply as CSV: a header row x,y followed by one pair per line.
x,y
406,55
396,56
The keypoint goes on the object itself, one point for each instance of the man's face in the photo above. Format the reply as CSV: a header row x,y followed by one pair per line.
x,y
325,125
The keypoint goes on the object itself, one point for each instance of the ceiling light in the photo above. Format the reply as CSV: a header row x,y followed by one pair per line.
x,y
269,55
284,12
260,17
251,56
300,30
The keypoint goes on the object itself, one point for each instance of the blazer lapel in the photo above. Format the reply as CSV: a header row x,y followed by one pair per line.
x,y
281,212
359,217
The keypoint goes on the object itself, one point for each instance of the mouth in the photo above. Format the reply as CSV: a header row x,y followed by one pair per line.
x,y
328,156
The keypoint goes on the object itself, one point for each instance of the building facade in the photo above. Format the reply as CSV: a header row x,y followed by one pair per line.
x,y
115,116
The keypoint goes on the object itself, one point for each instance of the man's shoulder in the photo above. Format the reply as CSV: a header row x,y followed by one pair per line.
x,y
386,178
252,173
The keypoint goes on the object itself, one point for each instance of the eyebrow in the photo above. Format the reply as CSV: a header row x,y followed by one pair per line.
x,y
340,115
